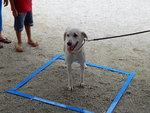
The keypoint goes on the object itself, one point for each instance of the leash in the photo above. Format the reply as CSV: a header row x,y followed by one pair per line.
x,y
110,37
125,35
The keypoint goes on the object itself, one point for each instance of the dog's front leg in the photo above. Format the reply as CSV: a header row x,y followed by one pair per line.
x,y
70,84
82,75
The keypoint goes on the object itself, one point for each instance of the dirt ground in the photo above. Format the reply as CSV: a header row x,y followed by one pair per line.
x,y
97,18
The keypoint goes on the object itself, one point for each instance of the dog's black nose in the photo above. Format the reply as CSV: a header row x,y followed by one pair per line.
x,y
69,43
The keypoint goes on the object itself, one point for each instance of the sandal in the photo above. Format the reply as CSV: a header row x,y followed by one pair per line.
x,y
19,48
33,44
1,46
5,40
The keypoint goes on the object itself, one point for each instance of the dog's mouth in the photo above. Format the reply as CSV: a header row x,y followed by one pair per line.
x,y
71,48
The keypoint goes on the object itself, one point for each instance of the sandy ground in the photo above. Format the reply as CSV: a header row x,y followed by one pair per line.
x,y
98,18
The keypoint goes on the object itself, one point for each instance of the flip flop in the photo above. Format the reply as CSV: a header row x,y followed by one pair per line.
x,y
1,46
19,48
5,40
33,44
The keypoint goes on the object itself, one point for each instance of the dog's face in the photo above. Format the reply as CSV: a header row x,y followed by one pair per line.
x,y
72,37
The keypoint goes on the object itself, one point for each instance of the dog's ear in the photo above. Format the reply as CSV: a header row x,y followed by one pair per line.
x,y
65,36
83,35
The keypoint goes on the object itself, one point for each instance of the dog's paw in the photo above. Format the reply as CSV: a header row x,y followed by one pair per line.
x,y
82,85
70,88
64,66
85,66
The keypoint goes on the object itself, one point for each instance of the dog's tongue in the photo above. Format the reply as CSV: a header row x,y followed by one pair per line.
x,y
70,48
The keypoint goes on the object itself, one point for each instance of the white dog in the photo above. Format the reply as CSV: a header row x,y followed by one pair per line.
x,y
74,40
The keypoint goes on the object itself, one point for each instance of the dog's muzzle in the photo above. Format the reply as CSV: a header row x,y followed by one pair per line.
x,y
69,43
71,47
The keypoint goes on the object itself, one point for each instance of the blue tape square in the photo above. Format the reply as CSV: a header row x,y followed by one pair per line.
x,y
58,56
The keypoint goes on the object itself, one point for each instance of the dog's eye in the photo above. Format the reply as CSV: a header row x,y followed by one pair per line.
x,y
75,35
67,35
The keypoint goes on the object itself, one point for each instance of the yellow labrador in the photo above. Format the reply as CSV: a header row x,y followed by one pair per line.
x,y
74,39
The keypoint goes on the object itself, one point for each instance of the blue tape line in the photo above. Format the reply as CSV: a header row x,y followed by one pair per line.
x,y
36,72
102,67
62,58
120,93
49,102
107,68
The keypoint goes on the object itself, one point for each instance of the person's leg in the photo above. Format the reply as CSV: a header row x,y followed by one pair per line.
x,y
18,25
28,23
30,41
18,46
28,32
2,39
18,34
1,46
1,18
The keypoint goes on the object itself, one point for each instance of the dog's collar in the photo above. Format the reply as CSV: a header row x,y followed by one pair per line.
x,y
78,49
75,45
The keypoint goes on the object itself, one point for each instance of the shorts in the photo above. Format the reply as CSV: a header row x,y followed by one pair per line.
x,y
22,19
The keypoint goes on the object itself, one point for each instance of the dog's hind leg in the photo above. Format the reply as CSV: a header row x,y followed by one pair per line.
x,y
82,74
70,84
85,66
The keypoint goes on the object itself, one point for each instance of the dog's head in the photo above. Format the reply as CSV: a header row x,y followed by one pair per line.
x,y
73,37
